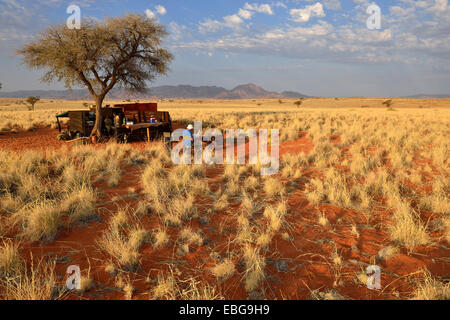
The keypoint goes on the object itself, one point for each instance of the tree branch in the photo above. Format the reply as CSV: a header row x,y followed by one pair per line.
x,y
87,83
103,84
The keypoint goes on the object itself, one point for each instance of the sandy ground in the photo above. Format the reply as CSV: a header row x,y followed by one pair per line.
x,y
295,268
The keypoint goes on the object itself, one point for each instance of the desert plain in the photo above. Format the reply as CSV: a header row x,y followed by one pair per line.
x,y
359,185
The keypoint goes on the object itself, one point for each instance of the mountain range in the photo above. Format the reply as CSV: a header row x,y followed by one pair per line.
x,y
247,91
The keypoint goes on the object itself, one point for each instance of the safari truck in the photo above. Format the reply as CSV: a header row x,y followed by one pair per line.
x,y
132,121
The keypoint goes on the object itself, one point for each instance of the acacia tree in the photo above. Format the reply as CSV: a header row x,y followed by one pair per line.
x,y
298,103
32,101
388,103
121,51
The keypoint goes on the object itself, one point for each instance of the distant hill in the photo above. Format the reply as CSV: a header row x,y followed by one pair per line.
x,y
429,96
247,91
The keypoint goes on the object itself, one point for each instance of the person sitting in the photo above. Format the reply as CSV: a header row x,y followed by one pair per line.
x,y
108,125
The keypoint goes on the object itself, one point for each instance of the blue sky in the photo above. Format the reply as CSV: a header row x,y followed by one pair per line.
x,y
321,48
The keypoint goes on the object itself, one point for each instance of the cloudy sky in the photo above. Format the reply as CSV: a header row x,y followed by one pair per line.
x,y
321,48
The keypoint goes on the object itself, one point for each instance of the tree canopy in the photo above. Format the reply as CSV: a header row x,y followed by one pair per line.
x,y
120,51
32,100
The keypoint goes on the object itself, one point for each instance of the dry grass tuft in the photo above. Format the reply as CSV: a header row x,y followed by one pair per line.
x,y
169,287
431,289
223,270
124,284
326,295
273,187
275,216
323,220
11,263
254,267
123,239
387,253
40,221
188,238
406,227
36,283
161,238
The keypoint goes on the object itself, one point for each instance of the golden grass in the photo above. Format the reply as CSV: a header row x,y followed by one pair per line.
x,y
11,263
171,287
40,222
326,295
275,215
123,239
429,288
36,283
161,238
273,187
224,269
124,283
406,227
244,233
40,190
188,238
388,252
254,267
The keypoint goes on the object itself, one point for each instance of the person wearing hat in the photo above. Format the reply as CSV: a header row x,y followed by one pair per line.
x,y
188,136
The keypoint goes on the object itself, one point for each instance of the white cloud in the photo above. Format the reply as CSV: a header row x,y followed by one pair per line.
x,y
210,26
275,34
261,8
245,14
401,12
303,15
161,10
176,31
439,6
150,14
332,4
233,21
425,42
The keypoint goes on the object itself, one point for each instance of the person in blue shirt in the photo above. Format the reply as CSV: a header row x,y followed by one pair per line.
x,y
188,137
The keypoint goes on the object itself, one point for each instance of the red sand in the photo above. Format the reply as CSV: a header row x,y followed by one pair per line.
x,y
308,256
39,139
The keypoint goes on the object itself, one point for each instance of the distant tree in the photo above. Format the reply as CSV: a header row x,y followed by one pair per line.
x,y
298,103
388,103
280,101
0,86
32,101
120,51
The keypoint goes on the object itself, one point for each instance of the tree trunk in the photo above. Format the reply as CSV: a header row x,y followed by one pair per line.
x,y
97,130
